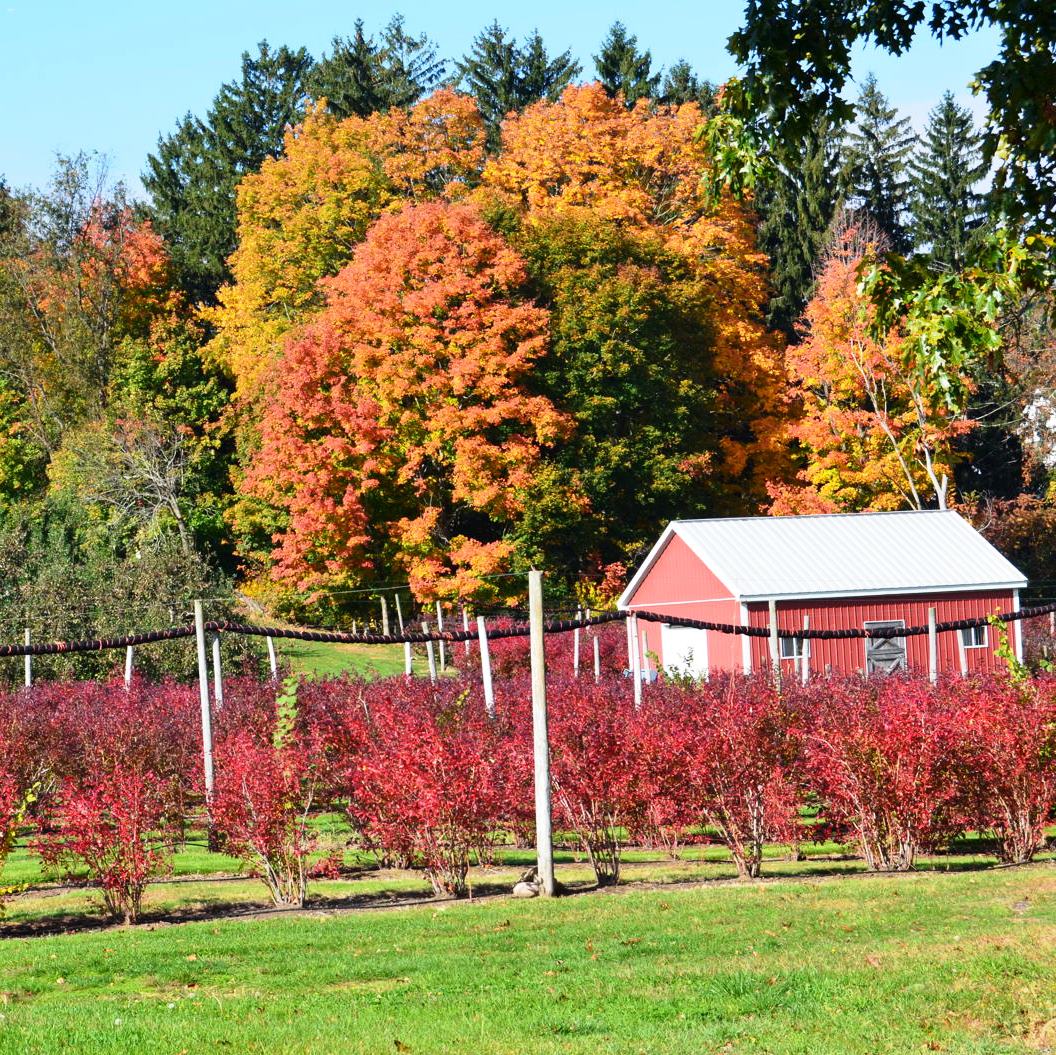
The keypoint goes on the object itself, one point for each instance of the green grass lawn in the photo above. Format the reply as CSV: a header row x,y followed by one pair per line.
x,y
319,659
955,962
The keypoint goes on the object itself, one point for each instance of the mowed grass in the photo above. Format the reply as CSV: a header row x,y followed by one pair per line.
x,y
320,659
956,962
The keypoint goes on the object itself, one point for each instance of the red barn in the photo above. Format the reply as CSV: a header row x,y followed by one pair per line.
x,y
837,570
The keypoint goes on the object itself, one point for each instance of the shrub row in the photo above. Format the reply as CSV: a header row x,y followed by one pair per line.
x,y
108,779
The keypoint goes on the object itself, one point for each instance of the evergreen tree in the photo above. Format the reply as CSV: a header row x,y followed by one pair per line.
x,y
681,85
797,204
879,147
623,68
361,76
192,178
946,169
503,77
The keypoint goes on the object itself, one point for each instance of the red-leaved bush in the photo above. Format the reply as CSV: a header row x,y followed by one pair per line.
x,y
1010,759
119,827
434,780
886,756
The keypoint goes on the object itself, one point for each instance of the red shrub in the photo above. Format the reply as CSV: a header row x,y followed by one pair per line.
x,y
886,756
119,828
434,781
1010,732
595,767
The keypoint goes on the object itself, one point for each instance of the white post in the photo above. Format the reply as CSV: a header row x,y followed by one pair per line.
x,y
485,667
408,659
129,660
540,737
636,663
597,659
203,694
218,677
627,624
644,654
28,663
962,653
1017,629
805,659
933,648
273,660
440,628
384,616
575,646
465,626
775,644
430,651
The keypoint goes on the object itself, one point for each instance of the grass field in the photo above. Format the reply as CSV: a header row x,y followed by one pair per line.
x,y
956,962
319,659
957,957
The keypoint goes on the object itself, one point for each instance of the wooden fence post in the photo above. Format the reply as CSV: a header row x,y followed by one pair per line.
x,y
775,644
273,660
628,626
644,653
429,651
129,661
804,659
485,667
384,616
203,695
962,653
408,659
440,629
544,839
575,645
933,648
636,662
597,659
465,626
218,677
28,663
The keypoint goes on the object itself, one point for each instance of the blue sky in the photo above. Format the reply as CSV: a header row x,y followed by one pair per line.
x,y
112,76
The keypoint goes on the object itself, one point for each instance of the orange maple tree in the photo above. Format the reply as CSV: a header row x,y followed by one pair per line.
x,y
871,433
401,432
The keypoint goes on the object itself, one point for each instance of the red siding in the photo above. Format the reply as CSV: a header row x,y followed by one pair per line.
x,y
847,655
680,584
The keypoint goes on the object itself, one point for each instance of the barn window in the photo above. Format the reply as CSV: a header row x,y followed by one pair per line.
x,y
791,647
974,637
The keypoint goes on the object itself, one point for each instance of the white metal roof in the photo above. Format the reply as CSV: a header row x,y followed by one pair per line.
x,y
841,555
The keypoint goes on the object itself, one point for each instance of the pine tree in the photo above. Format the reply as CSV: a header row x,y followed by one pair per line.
x,y
361,76
192,178
505,78
681,85
623,69
946,170
797,205
879,147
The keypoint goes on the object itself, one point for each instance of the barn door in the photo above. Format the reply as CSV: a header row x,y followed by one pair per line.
x,y
685,650
885,655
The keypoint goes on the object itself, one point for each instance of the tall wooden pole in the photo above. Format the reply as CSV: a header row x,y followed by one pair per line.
x,y
485,667
129,661
775,645
636,662
28,663
429,651
203,695
544,837
408,661
805,657
273,660
465,626
218,676
440,629
384,616
933,648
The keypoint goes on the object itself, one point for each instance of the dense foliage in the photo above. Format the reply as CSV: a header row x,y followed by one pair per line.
x,y
111,778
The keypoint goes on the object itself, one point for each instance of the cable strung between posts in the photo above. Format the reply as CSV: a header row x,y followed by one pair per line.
x,y
551,626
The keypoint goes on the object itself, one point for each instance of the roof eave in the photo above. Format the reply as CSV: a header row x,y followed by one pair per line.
x,y
911,591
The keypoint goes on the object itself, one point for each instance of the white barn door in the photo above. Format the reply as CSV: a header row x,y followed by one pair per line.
x,y
685,650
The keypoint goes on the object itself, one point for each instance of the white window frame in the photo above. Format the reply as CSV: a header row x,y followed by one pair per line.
x,y
794,645
985,643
